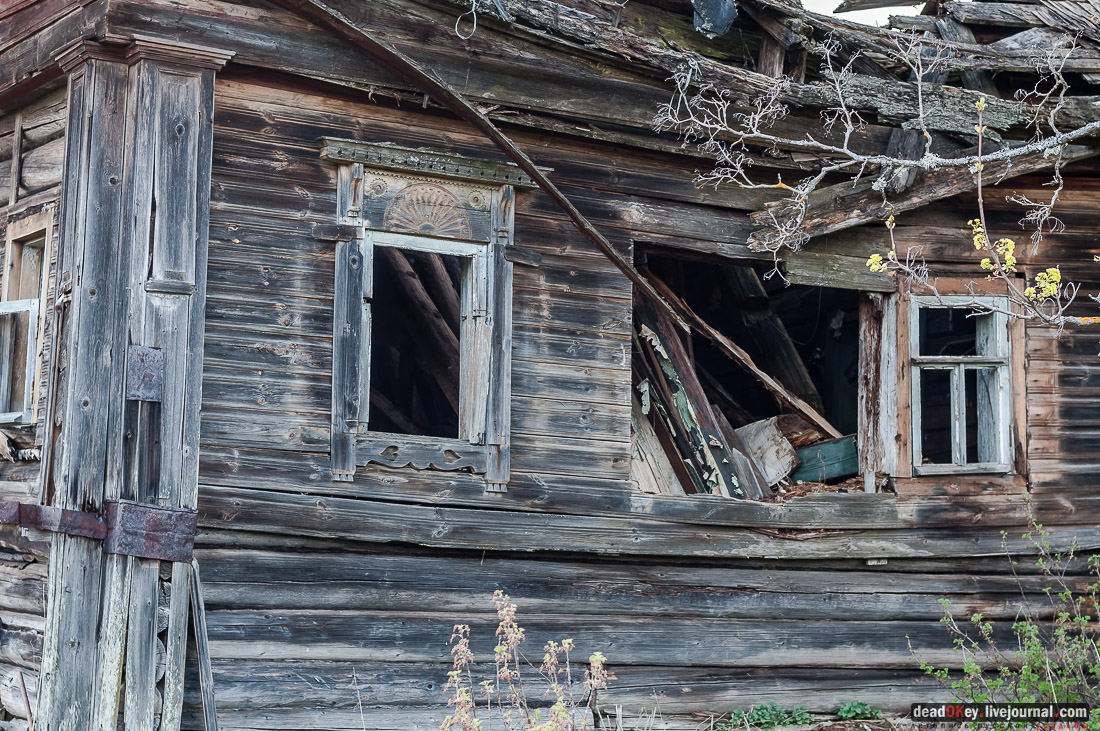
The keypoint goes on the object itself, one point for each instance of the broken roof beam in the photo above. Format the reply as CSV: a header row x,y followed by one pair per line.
x,y
776,39
967,55
1022,15
892,99
852,5
845,205
738,355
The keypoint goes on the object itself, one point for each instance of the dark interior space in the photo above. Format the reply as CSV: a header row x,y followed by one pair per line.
x,y
415,340
806,337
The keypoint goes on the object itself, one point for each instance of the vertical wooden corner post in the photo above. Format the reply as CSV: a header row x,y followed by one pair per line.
x,y
134,229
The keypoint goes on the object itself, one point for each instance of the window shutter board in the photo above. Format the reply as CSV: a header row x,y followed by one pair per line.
x,y
476,341
366,286
498,413
347,333
31,378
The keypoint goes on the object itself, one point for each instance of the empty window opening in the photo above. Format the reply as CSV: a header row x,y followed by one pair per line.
x,y
947,331
415,342
804,337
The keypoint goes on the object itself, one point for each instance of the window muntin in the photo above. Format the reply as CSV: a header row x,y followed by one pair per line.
x,y
959,359
19,325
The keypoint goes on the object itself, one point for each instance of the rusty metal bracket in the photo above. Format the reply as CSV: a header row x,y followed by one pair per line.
x,y
127,528
150,531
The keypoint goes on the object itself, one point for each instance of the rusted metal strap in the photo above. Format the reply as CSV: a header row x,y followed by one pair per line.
x,y
128,528
54,520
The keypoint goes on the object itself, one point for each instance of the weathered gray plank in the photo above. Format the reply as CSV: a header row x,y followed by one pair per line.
x,y
371,637
252,579
371,521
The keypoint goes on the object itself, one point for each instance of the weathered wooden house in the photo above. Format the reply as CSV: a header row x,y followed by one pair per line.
x,y
263,273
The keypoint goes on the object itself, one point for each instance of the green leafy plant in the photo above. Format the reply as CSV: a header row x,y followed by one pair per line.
x,y
1053,656
857,710
768,715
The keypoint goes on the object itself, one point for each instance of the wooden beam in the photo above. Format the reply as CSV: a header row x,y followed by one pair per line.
x,y
849,6
672,429
777,352
362,518
1018,15
772,56
443,291
16,158
909,144
975,79
664,436
724,460
779,32
845,205
739,356
444,341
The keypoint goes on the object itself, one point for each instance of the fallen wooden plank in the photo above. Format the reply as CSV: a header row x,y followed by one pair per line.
x,y
650,469
777,352
719,458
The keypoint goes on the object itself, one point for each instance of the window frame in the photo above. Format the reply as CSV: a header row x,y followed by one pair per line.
x,y
483,444
19,233
474,298
1001,361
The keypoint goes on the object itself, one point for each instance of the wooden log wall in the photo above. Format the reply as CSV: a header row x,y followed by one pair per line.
x,y
268,352
342,607
35,131
324,594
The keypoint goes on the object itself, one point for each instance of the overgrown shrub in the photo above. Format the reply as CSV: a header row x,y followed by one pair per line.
x,y
1054,657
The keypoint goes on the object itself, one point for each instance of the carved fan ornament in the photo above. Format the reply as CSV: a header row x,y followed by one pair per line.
x,y
427,209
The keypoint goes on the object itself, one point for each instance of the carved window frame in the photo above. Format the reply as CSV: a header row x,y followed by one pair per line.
x,y
372,178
